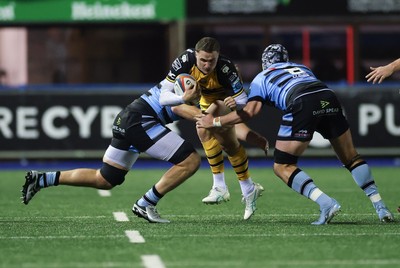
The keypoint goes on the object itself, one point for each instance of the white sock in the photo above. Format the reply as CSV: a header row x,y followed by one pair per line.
x,y
247,186
219,180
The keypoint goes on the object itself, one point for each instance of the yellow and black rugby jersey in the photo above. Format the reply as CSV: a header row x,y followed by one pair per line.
x,y
224,81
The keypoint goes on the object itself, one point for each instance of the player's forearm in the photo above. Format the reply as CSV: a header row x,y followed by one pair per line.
x,y
395,65
251,109
186,111
232,118
170,99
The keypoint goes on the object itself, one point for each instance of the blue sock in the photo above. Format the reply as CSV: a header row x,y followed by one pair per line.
x,y
303,184
49,179
150,198
362,176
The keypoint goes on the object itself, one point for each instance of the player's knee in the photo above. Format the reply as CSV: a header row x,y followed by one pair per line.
x,y
113,176
281,157
278,168
103,184
282,161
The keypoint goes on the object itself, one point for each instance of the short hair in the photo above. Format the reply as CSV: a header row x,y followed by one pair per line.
x,y
208,44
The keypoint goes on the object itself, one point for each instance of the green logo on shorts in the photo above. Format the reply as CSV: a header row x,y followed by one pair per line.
x,y
324,104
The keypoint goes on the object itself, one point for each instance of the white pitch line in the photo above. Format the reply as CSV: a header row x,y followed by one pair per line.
x,y
104,193
134,236
54,237
152,261
120,216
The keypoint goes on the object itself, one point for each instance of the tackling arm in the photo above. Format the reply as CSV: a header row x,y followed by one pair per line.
x,y
251,109
168,96
186,111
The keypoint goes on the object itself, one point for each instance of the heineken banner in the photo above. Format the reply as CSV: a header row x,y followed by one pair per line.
x,y
28,11
61,123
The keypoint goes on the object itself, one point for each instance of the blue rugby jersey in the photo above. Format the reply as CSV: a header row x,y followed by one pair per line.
x,y
282,82
164,113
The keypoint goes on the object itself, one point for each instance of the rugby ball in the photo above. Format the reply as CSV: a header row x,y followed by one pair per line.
x,y
183,82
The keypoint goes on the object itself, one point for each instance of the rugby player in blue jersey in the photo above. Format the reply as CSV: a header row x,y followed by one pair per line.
x,y
308,106
140,127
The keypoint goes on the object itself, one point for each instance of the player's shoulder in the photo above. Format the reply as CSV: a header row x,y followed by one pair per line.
x,y
222,59
188,55
225,65
259,76
182,63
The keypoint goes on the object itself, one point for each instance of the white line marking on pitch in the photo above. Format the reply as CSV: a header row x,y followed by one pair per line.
x,y
104,193
152,261
120,216
62,237
134,236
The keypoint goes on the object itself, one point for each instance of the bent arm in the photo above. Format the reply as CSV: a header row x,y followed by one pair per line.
x,y
251,109
167,95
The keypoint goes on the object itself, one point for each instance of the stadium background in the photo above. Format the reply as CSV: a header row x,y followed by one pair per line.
x,y
67,67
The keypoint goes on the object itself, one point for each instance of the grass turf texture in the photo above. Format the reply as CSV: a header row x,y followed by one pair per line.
x,y
74,227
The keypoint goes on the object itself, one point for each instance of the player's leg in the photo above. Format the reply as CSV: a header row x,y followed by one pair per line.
x,y
285,167
294,135
110,175
219,191
167,146
116,164
335,127
237,156
359,169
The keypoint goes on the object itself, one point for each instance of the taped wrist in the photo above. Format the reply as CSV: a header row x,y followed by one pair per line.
x,y
217,122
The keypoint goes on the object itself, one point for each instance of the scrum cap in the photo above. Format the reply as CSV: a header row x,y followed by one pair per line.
x,y
272,54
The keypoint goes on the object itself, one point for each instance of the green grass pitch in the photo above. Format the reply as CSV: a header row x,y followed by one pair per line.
x,y
74,227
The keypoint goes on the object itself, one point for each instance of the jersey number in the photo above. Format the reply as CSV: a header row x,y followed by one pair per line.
x,y
296,72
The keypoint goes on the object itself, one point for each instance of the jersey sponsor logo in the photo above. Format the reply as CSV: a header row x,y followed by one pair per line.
x,y
234,76
176,65
225,69
332,110
324,104
185,58
326,111
237,84
118,129
318,112
303,133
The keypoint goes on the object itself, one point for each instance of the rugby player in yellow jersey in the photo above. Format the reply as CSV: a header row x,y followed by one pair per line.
x,y
218,78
